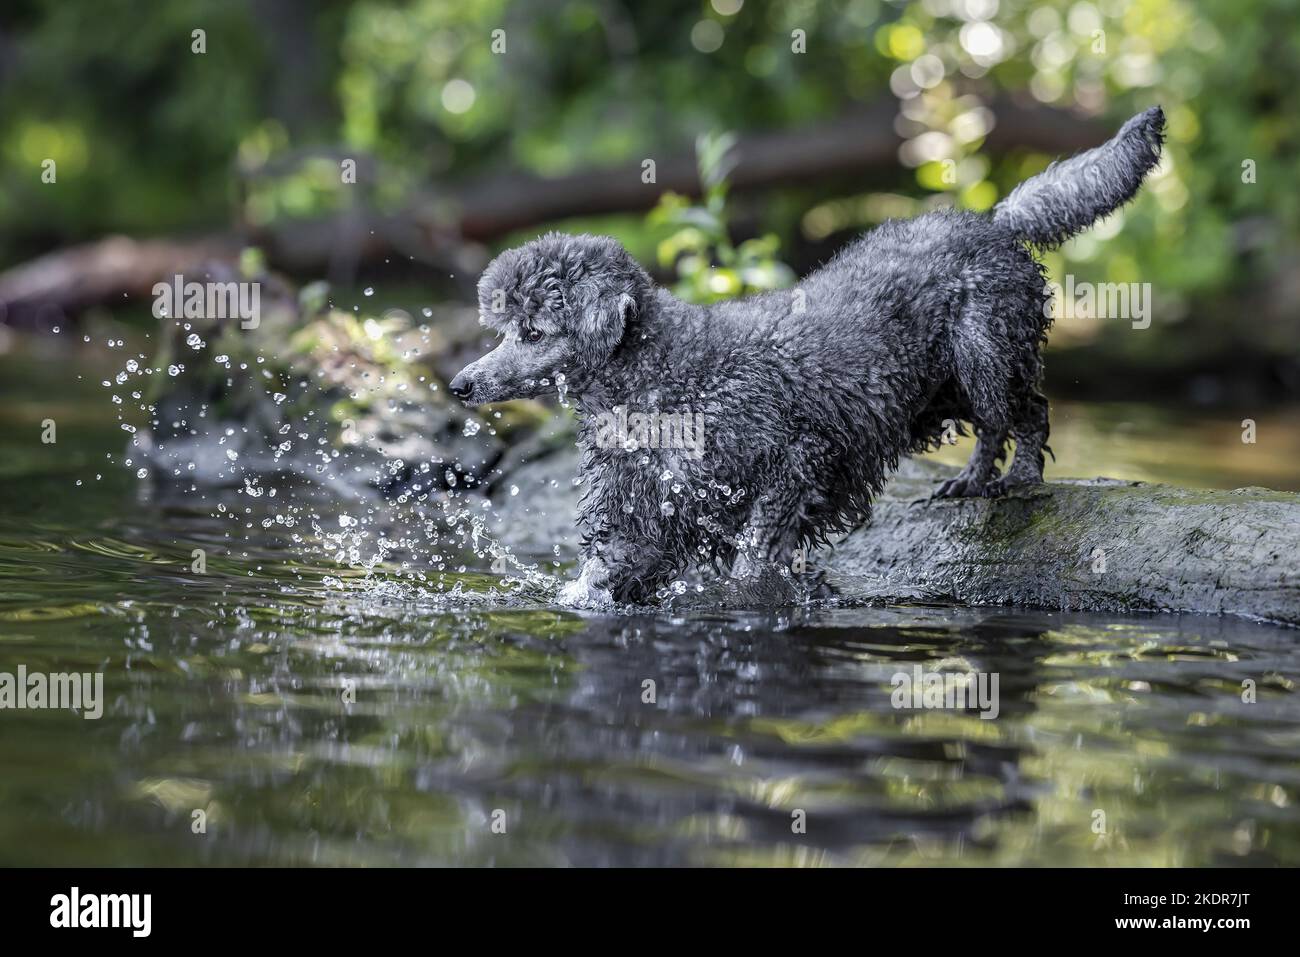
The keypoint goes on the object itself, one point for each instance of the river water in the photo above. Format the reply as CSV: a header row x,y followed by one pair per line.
x,y
281,709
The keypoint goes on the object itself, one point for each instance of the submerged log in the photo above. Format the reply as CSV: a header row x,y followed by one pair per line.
x,y
1078,545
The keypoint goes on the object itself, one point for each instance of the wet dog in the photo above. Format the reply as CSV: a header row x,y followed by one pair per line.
x,y
801,401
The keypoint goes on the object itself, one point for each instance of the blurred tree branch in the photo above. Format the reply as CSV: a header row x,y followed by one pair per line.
x,y
440,224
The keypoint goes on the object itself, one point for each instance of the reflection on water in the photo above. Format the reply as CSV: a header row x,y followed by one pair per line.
x,y
365,724
228,695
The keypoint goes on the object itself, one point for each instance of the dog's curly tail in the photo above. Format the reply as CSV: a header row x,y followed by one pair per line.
x,y
1068,197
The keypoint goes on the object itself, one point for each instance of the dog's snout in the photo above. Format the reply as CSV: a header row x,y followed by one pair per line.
x,y
462,387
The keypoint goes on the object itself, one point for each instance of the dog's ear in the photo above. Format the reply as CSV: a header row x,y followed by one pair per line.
x,y
605,324
627,309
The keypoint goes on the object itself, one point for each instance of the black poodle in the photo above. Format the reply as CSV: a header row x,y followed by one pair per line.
x,y
735,433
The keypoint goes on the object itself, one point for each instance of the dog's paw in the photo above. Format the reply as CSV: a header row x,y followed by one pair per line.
x,y
581,594
1000,487
819,589
962,485
746,567
588,589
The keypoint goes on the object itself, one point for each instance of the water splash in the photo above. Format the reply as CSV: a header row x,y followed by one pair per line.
x,y
385,520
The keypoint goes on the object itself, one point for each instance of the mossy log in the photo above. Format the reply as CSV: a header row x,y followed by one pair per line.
x,y
1096,545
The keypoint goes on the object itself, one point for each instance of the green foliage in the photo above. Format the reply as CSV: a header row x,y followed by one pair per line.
x,y
151,138
708,266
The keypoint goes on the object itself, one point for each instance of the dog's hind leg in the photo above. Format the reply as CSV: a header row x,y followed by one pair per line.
x,y
1030,428
984,373
980,357
980,470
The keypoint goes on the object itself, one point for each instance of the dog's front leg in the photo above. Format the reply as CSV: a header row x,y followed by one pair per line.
x,y
637,538
630,555
614,571
771,533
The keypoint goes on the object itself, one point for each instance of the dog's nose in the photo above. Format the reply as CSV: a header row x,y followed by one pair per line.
x,y
461,387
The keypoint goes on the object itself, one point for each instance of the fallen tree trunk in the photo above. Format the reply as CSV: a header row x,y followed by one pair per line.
x,y
440,223
1098,545
69,280
854,144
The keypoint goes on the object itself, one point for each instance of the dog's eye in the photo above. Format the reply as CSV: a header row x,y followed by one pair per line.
x,y
533,335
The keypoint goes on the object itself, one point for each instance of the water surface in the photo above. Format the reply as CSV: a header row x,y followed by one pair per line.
x,y
319,715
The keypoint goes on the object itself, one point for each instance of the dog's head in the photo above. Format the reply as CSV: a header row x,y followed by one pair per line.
x,y
562,305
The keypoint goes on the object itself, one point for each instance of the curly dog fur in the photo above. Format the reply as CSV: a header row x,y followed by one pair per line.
x,y
809,396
